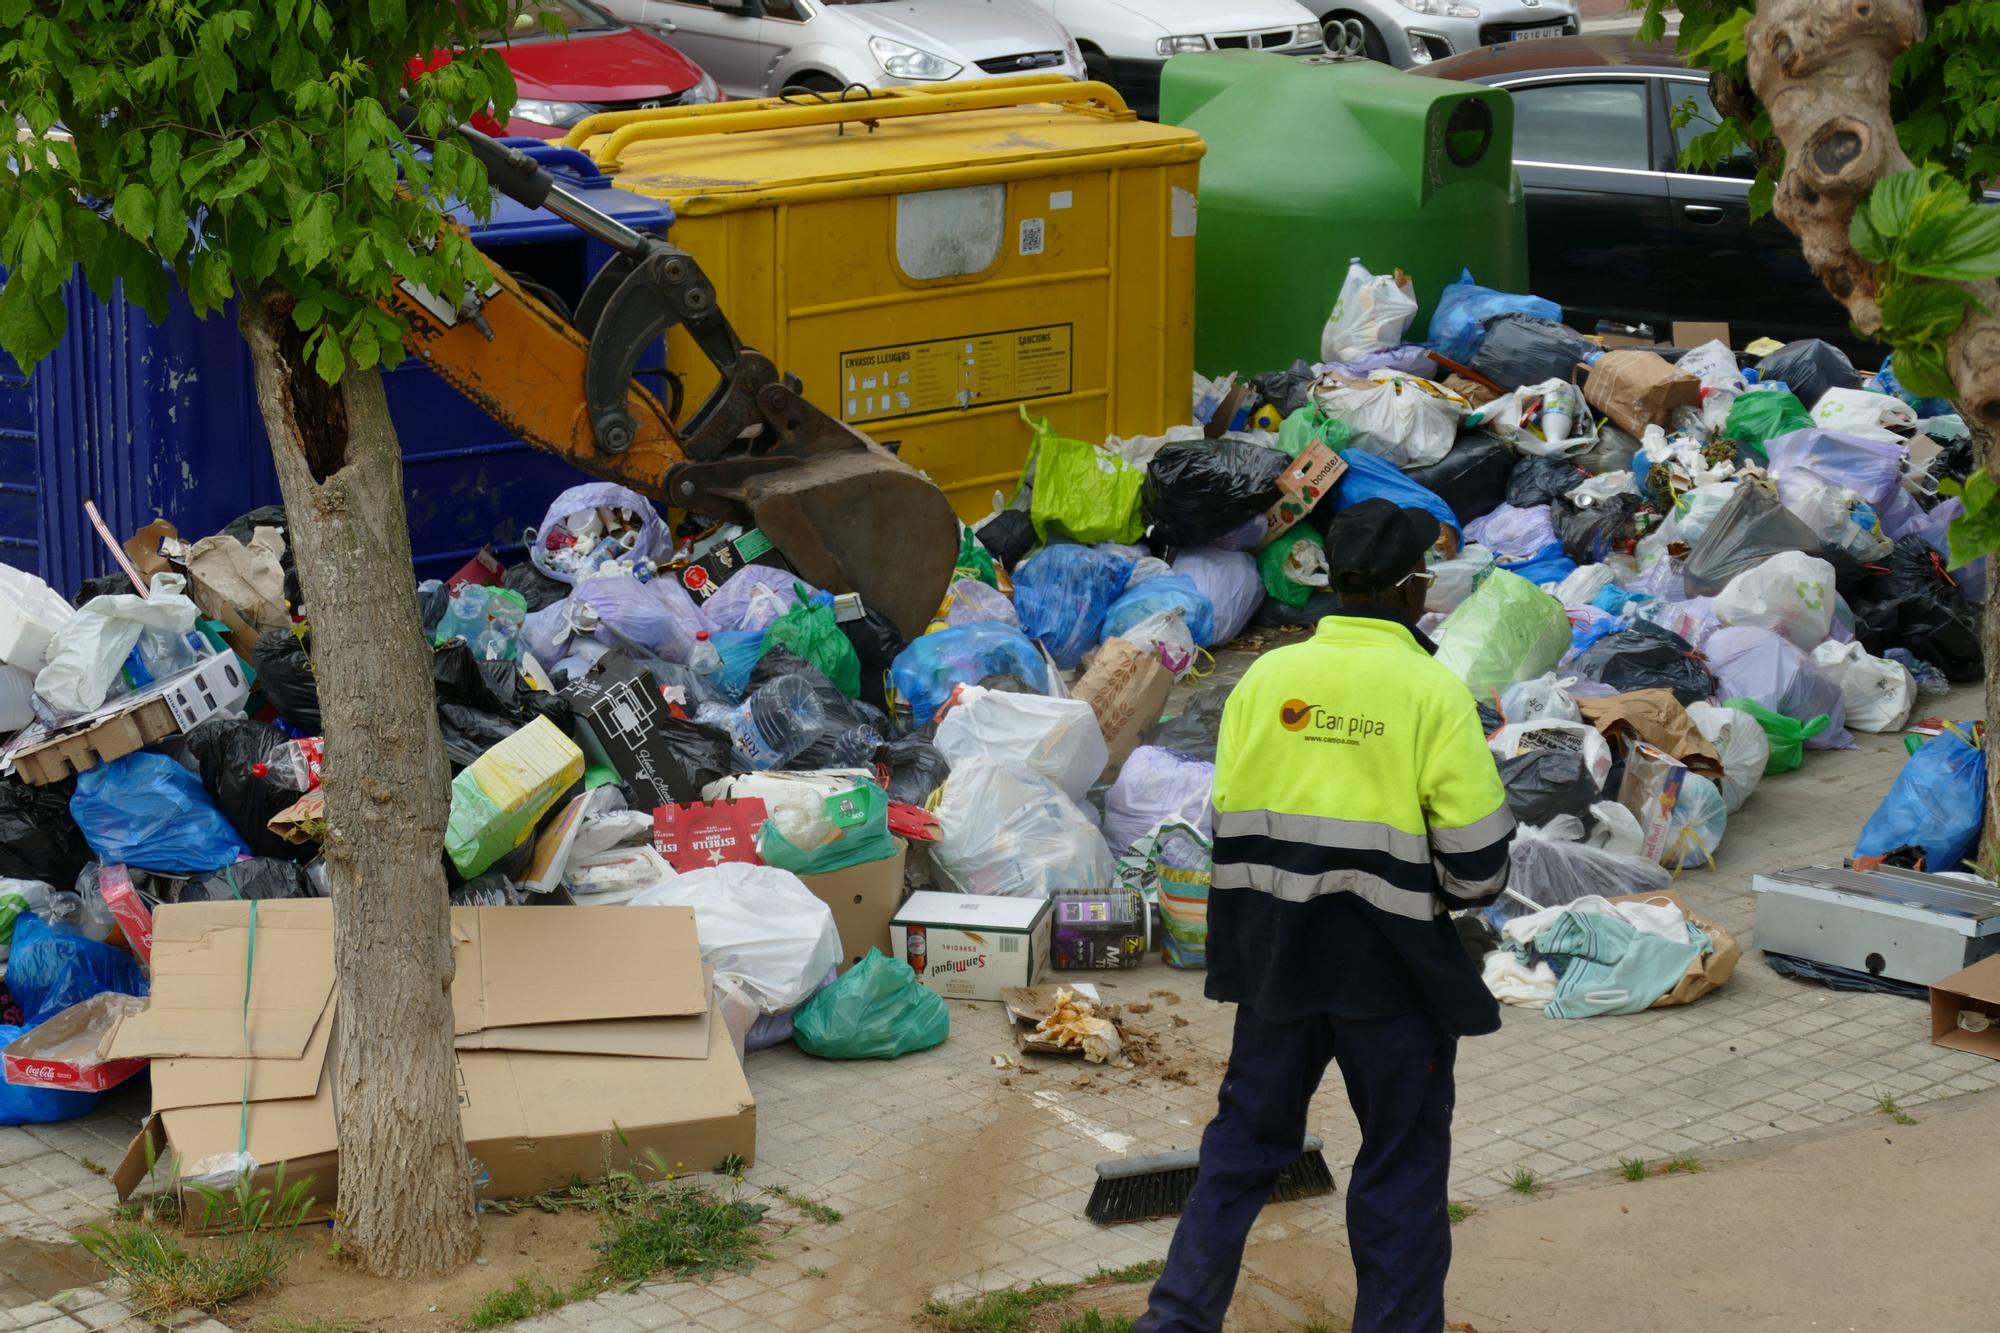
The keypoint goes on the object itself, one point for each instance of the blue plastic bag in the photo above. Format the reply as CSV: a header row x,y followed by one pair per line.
x,y
1615,599
1548,565
740,650
146,810
1938,803
1885,381
1458,325
1372,477
1061,593
1163,592
925,673
29,1105
52,967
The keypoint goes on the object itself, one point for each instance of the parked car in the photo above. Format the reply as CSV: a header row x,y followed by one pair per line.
x,y
598,64
1617,229
759,48
1124,43
1406,33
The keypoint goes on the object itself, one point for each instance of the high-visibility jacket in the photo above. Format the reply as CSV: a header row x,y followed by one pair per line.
x,y
1355,804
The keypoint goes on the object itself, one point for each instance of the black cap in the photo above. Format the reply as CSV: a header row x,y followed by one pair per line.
x,y
1372,546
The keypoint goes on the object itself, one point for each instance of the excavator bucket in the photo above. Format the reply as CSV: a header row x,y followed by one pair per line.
x,y
862,521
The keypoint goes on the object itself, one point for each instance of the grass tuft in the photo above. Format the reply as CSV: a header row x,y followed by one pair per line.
x,y
1886,1104
1633,1168
824,1214
162,1275
1093,1321
1011,1310
1457,1212
1682,1164
528,1297
1146,1270
1524,1182
684,1231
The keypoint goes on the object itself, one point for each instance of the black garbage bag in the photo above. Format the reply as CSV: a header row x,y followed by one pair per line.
x,y
1008,537
1954,462
482,703
1917,605
1473,478
258,878
536,588
876,642
245,526
1592,533
1540,481
38,839
1647,657
103,585
432,602
1525,349
285,675
1191,733
916,768
1271,613
853,729
1200,490
1749,529
1542,784
1285,390
702,752
229,751
1613,451
1490,720
1811,367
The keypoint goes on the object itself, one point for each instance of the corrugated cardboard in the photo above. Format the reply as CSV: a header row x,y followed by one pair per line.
x,y
1309,479
863,898
209,1082
971,947
521,966
201,952
1975,990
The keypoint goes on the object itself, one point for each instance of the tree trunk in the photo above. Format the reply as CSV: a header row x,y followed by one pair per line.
x,y
1822,71
405,1188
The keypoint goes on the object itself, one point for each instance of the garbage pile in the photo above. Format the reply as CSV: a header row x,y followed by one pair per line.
x,y
1662,574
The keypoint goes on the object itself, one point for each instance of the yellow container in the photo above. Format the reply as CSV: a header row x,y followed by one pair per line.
x,y
925,259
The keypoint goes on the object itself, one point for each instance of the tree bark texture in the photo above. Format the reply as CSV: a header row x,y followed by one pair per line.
x,y
1821,68
405,1187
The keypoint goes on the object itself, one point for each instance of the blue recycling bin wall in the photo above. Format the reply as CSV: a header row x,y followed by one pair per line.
x,y
158,420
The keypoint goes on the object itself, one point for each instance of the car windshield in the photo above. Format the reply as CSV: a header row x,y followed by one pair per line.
x,y
527,25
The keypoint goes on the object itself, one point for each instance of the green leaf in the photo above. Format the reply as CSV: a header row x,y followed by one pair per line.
x,y
1977,531
1867,242
133,210
1726,37
385,15
328,359
1958,243
1763,191
1923,312
312,234
1893,202
1920,368
32,322
245,177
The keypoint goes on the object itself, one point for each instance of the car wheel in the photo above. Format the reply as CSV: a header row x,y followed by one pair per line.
x,y
815,83
1351,35
1097,66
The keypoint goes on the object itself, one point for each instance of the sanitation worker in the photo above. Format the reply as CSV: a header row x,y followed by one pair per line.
x,y
1355,805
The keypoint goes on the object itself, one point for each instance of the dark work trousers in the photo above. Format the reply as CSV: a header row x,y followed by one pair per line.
x,y
1399,1081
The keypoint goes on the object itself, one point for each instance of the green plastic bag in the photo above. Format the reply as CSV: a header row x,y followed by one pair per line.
x,y
1508,630
810,631
878,1011
1271,565
1764,414
974,560
1788,735
1309,426
1083,492
861,815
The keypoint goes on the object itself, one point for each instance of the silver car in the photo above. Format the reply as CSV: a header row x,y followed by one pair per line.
x,y
759,48
1415,32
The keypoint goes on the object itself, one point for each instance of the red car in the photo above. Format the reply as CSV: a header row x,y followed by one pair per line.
x,y
601,64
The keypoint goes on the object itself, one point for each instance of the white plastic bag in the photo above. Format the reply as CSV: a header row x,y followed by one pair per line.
x,y
1789,594
1057,738
1166,633
1828,508
1543,699
1582,585
1455,577
1579,738
88,651
1715,366
759,925
1006,830
1694,510
1370,314
1755,664
1154,785
1513,532
1411,422
1694,834
1601,487
1231,582
1879,693
1615,829
1550,867
1740,740
1524,417
1874,416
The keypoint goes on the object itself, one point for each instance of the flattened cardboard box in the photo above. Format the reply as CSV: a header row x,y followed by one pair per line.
x,y
863,899
1970,990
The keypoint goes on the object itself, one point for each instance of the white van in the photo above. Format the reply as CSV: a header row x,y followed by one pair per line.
x,y
1124,42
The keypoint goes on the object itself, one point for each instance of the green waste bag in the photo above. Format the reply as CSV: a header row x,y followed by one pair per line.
x,y
862,817
1084,493
878,1011
974,560
809,630
1788,735
1764,414
1272,561
1508,630
1309,426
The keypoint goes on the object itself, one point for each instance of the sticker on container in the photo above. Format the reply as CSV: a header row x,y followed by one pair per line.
x,y
1060,199
1183,212
950,374
1032,235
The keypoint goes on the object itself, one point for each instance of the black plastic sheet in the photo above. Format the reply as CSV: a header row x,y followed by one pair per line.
x,y
285,675
1198,491
260,878
1191,733
1542,784
1539,481
1592,533
1473,477
1525,349
916,768
1916,604
38,839
1810,367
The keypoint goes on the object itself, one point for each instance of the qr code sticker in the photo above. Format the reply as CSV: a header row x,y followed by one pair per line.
x,y
1031,236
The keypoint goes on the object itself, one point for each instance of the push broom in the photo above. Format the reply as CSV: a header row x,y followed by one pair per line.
x,y
1131,1189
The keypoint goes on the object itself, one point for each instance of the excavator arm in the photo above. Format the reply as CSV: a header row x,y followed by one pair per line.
x,y
847,514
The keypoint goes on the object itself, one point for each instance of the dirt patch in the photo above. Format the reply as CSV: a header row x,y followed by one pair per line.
x,y
42,1268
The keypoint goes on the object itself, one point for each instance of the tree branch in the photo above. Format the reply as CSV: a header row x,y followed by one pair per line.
x,y
1821,68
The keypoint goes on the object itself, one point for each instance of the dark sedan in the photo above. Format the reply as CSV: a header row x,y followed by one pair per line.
x,y
1616,229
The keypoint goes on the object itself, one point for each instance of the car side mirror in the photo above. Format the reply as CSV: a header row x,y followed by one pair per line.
x,y
743,9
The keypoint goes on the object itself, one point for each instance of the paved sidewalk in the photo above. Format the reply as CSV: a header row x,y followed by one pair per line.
x,y
955,1175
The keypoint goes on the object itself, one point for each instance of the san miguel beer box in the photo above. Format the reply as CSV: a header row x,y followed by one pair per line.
x,y
966,946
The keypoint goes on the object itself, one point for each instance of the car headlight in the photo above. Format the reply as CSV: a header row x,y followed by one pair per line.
x,y
703,91
907,62
1168,46
551,113
1071,51
1309,34
1441,9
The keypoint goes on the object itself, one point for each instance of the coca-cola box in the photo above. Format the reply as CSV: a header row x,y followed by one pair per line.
x,y
968,946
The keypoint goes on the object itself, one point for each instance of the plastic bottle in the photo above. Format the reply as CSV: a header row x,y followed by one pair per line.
x,y
704,657
1689,421
465,616
776,722
500,638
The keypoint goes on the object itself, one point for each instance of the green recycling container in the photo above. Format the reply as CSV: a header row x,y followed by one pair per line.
x,y
1314,161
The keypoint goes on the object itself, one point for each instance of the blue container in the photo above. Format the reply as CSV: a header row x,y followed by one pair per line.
x,y
161,419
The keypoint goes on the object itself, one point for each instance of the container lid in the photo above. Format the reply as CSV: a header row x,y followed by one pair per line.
x,y
514,223
709,159
970,911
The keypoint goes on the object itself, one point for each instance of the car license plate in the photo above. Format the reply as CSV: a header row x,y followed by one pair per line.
x,y
1535,34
